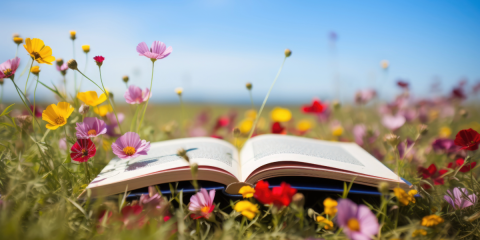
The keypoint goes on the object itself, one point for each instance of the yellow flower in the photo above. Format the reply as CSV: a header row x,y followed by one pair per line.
x,y
432,220
337,131
245,126
103,110
251,114
179,91
86,48
419,232
57,115
279,114
246,208
384,64
18,40
73,35
411,195
330,207
246,191
38,51
403,197
35,70
304,125
327,223
91,98
445,132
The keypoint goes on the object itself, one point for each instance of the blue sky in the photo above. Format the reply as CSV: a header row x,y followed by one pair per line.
x,y
220,45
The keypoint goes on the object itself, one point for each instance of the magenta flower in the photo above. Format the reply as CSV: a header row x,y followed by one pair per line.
x,y
83,150
90,127
461,198
201,204
393,122
99,60
130,146
158,50
135,95
62,68
8,68
357,221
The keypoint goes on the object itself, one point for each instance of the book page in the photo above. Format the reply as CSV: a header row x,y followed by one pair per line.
x,y
270,148
163,156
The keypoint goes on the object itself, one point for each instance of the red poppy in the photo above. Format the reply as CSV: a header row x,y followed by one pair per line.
x,y
278,196
402,84
431,172
316,107
83,150
467,139
459,162
277,128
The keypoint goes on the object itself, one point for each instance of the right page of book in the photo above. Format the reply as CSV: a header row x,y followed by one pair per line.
x,y
269,148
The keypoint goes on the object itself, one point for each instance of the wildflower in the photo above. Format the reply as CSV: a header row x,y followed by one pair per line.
x,y
59,62
222,121
337,131
458,93
18,40
393,122
83,150
459,162
392,139
72,64
304,125
36,111
248,86
431,220
384,64
99,60
330,207
158,50
431,172
91,98
419,232
86,48
245,126
251,114
62,68
279,114
91,127
445,132
38,51
125,79
154,204
57,115
201,204
247,191
179,91
246,208
357,221
288,52
316,107
8,68
402,84
35,70
327,224
236,132
403,197
132,216
278,196
135,95
113,123
461,199
73,35
277,128
25,120
467,139
364,96
130,146
444,144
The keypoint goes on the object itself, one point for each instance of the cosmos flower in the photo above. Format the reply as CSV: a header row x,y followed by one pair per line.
x,y
91,127
201,204
393,122
157,51
91,98
402,84
57,115
130,146
62,68
364,96
9,67
432,173
468,139
460,199
86,48
357,221
35,70
445,144
83,150
38,51
135,95
459,162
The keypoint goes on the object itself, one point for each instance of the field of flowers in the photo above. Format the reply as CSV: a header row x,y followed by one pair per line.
x,y
51,151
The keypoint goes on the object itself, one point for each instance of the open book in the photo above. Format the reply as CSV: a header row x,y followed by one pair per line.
x,y
262,157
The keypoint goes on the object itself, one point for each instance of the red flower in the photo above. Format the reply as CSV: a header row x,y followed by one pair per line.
x,y
131,216
36,111
468,139
459,162
83,150
316,107
279,196
431,172
221,122
99,60
402,84
277,128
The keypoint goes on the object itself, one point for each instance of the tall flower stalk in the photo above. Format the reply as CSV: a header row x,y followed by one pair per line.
x,y
146,104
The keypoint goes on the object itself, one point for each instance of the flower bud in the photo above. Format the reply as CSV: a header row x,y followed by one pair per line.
x,y
288,52
125,79
25,119
59,62
35,70
392,139
383,188
72,64
249,86
73,35
18,40
422,129
84,109
86,48
183,154
463,113
311,213
179,91
236,132
298,199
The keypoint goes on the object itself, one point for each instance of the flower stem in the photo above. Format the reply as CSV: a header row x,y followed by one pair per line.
x,y
145,109
16,53
109,100
87,174
84,70
251,99
265,101
182,108
34,109
66,143
74,73
134,119
27,79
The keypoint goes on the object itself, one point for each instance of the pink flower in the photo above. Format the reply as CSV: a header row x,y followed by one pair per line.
x,y
62,68
364,96
157,51
130,146
461,199
202,204
393,122
99,60
357,221
135,95
91,127
8,68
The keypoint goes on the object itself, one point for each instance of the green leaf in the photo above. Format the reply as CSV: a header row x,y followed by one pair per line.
x,y
6,124
68,159
54,91
7,110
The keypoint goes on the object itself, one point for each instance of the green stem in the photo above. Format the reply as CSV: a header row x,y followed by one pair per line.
x,y
251,99
84,70
28,78
23,71
134,119
22,96
66,138
86,171
74,73
16,53
145,109
109,100
1,94
265,101
34,93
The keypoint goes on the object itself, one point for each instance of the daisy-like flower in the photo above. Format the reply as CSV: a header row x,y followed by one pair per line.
x,y
57,115
86,48
91,98
99,60
35,70
130,146
83,150
468,139
201,204
8,68
38,51
135,95
357,221
90,127
158,50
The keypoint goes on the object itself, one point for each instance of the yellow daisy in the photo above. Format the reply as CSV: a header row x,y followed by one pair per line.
x,y
57,115
38,51
91,98
103,110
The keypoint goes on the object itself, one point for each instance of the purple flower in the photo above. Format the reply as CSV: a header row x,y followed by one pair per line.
x,y
135,95
157,51
357,221
202,204
90,127
150,202
393,122
445,144
113,123
361,134
130,146
461,198
8,68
